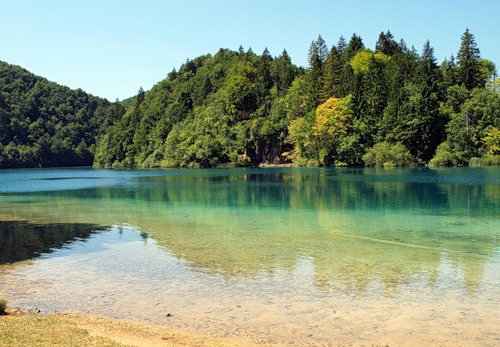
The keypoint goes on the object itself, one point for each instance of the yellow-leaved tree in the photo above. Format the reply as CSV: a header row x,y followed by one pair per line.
x,y
333,120
492,140
316,138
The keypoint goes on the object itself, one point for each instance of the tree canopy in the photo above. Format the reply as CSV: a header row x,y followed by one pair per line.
x,y
44,124
350,106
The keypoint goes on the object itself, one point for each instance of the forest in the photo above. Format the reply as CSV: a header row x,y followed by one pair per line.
x,y
351,106
43,124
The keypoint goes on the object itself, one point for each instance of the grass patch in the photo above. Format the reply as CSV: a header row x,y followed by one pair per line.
x,y
82,331
47,331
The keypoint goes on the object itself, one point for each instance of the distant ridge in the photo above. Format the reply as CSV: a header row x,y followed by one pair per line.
x,y
44,124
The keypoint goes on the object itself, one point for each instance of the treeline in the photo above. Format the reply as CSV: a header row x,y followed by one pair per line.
x,y
351,106
219,109
43,124
387,106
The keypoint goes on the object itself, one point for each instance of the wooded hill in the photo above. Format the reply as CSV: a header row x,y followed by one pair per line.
x,y
44,124
351,106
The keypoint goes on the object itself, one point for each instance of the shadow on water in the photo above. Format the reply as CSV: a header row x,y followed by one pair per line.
x,y
21,240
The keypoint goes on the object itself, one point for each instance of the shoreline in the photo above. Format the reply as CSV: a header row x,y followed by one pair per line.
x,y
28,327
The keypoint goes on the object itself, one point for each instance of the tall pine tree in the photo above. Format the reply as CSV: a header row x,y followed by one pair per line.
x,y
341,45
355,44
430,126
332,75
318,53
386,44
264,79
282,73
469,62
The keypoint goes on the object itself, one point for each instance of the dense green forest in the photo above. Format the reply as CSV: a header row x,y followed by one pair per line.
x,y
43,124
350,106
387,106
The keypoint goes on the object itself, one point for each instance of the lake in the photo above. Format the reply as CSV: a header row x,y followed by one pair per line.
x,y
279,255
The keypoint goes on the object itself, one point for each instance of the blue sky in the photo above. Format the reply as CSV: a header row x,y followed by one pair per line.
x,y
110,48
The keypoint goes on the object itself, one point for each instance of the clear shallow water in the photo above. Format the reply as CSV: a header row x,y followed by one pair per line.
x,y
305,256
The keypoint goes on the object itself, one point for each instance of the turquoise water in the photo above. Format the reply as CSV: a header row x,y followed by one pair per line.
x,y
324,244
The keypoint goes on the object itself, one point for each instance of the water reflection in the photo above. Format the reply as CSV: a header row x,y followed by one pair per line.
x,y
340,259
355,226
421,190
20,240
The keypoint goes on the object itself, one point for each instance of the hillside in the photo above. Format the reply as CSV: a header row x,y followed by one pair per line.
x,y
387,106
212,111
43,124
126,103
351,106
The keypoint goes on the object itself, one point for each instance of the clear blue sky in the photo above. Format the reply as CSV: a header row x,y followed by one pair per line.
x,y
110,48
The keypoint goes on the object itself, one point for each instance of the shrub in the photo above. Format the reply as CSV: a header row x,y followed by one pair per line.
x,y
388,155
443,156
491,160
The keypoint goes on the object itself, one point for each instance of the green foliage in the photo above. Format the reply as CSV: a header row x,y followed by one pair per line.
x,y
355,44
443,157
469,62
386,44
237,108
317,136
3,306
333,121
318,54
385,154
298,100
475,162
331,76
492,140
449,71
44,124
283,73
361,61
128,102
226,108
491,160
470,130
300,134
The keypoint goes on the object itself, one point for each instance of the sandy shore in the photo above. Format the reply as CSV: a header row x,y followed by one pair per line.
x,y
65,329
79,330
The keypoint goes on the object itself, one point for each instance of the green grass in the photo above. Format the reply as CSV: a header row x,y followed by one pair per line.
x,y
46,331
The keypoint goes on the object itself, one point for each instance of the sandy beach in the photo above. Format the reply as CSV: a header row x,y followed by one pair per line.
x,y
22,328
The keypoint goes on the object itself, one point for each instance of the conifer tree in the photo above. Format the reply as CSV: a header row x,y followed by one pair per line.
x,y
317,57
341,45
430,130
332,75
241,53
449,71
429,72
375,94
355,44
264,79
402,47
386,44
282,73
347,83
401,72
468,60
